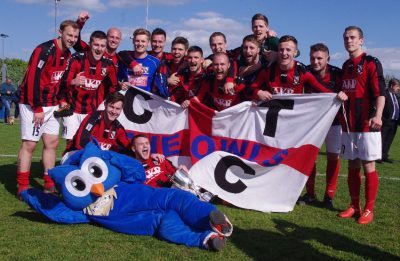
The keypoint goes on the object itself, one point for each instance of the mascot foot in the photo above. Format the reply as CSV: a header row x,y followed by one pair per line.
x,y
220,223
216,242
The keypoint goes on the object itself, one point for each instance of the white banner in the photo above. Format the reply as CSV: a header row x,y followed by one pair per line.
x,y
248,185
279,140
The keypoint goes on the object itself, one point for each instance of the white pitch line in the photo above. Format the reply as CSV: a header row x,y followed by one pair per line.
x,y
345,176
16,156
340,175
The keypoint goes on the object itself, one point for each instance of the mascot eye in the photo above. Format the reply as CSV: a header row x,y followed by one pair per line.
x,y
96,169
77,183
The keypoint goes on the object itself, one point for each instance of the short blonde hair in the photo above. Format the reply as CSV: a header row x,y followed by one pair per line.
x,y
141,31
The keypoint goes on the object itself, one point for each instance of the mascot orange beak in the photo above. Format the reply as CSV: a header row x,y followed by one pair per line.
x,y
97,189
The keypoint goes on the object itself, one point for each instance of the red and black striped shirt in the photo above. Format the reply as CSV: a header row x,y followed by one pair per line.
x,y
101,79
188,86
41,81
212,93
110,137
293,81
363,82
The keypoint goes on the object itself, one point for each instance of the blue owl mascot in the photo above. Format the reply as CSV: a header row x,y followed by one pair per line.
x,y
107,188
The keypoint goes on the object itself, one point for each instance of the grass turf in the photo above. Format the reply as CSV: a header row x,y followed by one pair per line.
x,y
308,232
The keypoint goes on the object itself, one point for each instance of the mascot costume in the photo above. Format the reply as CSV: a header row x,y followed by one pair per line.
x,y
106,188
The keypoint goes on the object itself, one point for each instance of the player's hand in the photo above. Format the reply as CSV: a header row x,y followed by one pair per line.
x,y
124,85
342,96
229,88
173,79
185,104
38,119
138,69
158,157
272,33
375,123
264,95
270,56
83,17
206,63
246,70
79,80
63,104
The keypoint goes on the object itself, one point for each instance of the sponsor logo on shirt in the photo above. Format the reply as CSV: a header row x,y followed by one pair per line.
x,y
105,146
56,76
349,85
282,90
152,173
140,81
223,102
91,84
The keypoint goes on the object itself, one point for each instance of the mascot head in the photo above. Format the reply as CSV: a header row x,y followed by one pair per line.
x,y
89,172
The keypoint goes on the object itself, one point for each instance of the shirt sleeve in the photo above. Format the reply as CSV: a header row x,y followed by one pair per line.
x,y
37,64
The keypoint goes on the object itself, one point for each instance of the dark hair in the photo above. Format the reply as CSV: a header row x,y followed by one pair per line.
x,y
114,97
215,34
251,38
394,82
195,48
354,27
98,35
259,17
140,135
288,38
181,40
158,31
319,47
71,23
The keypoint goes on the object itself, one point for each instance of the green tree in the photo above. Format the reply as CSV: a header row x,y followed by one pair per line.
x,y
16,69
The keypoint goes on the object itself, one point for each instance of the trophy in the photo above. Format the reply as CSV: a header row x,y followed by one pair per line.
x,y
182,181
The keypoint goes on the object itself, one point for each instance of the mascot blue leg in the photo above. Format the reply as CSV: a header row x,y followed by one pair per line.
x,y
173,229
138,223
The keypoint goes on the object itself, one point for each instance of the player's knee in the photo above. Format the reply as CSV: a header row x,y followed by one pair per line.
x,y
28,146
50,142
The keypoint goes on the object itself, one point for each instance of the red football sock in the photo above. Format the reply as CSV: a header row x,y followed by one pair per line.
x,y
332,173
371,189
354,182
23,180
48,182
310,185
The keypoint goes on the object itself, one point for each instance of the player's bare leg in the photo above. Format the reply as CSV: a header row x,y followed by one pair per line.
x,y
50,143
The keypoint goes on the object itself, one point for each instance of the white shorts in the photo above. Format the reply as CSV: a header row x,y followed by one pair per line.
x,y
28,130
362,145
333,139
71,125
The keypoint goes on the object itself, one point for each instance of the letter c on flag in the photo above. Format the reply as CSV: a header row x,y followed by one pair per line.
x,y
130,95
220,174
